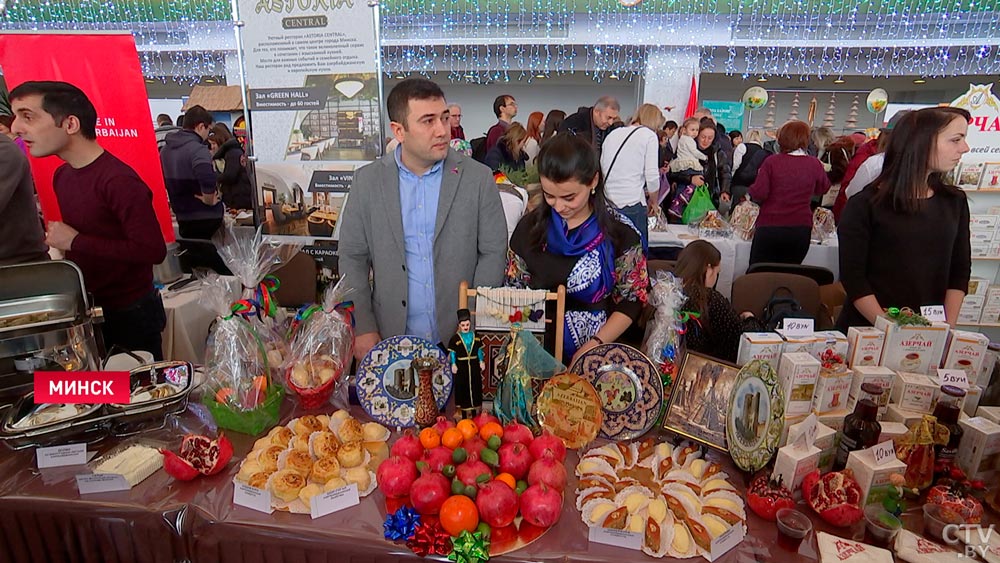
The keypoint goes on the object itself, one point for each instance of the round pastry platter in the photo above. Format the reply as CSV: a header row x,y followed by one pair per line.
x,y
387,384
569,408
628,385
755,416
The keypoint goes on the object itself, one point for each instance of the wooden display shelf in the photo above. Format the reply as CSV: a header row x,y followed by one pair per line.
x,y
986,258
987,325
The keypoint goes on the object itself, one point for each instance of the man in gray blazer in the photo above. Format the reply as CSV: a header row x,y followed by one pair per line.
x,y
417,223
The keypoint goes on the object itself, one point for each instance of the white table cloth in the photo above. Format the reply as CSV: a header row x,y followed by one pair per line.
x,y
736,253
186,332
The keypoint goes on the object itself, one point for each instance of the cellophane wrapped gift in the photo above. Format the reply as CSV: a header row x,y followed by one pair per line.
x,y
916,450
252,258
712,225
239,391
658,221
322,348
744,219
824,225
664,332
527,360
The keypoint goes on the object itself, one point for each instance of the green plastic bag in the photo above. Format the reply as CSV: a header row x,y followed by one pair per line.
x,y
700,204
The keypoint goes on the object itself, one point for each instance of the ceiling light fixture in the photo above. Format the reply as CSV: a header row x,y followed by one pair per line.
x,y
920,81
762,79
839,80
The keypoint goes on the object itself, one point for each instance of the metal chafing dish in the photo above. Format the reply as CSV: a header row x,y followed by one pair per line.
x,y
156,390
46,322
29,424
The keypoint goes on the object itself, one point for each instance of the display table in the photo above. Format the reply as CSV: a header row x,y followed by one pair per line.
x,y
736,253
162,520
186,331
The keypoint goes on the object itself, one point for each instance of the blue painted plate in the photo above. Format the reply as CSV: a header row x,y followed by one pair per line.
x,y
387,385
628,385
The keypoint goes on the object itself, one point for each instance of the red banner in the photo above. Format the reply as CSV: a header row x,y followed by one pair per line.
x,y
106,67
83,387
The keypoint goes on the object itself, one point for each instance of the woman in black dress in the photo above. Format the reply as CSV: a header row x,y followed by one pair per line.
x,y
575,237
904,240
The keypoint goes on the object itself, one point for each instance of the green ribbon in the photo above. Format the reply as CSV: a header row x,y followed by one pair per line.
x,y
470,548
906,316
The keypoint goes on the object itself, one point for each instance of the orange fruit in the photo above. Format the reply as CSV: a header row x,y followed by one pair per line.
x,y
429,438
467,428
490,429
260,384
452,438
508,479
459,513
223,395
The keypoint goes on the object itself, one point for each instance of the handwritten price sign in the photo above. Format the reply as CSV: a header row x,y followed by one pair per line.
x,y
799,327
956,377
884,452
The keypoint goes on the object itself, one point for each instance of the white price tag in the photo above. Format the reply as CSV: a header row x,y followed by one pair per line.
x,y
332,501
933,313
884,452
59,456
101,483
252,498
798,327
956,377
617,538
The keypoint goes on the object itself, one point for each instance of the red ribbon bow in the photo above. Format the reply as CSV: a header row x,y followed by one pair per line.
x,y
430,539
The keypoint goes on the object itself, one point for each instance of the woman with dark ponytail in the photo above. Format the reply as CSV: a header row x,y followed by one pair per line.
x,y
577,238
716,331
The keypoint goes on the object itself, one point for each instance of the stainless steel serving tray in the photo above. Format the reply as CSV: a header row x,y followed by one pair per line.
x,y
90,421
176,373
57,308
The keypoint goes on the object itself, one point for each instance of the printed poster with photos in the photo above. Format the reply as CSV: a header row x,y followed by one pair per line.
x,y
980,167
315,108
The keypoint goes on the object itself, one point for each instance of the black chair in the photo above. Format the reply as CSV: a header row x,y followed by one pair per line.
x,y
197,253
821,275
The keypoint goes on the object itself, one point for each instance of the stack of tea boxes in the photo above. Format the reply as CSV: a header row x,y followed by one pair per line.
x,y
982,303
904,361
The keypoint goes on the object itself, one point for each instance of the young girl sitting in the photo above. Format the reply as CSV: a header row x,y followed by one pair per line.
x,y
688,155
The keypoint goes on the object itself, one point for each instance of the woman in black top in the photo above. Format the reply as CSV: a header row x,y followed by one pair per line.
x,y
509,151
717,331
233,180
904,240
576,238
717,172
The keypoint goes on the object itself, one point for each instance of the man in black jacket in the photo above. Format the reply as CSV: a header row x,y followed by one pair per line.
x,y
190,177
594,123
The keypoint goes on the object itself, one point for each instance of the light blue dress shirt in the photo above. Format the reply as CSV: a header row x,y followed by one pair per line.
x,y
418,199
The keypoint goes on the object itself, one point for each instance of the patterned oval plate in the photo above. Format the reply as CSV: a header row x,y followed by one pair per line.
x,y
628,385
387,385
568,407
755,416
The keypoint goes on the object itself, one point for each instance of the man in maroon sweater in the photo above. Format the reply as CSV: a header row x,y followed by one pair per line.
x,y
109,228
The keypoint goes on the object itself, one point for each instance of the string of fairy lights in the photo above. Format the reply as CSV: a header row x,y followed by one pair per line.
x,y
481,41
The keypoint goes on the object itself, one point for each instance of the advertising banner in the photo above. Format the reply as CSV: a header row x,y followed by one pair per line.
x,y
980,167
314,104
729,114
106,67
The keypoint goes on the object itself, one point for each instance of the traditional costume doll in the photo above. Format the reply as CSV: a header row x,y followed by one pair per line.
x,y
467,366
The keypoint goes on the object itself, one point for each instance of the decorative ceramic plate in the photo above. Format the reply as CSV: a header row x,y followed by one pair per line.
x,y
755,416
387,385
569,408
628,385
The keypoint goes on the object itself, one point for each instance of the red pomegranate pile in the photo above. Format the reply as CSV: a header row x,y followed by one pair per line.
x,y
499,471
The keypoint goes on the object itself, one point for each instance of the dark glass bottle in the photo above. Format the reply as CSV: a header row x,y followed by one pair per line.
x,y
861,429
947,411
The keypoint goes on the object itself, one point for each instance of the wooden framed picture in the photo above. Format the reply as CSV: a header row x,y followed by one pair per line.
x,y
699,400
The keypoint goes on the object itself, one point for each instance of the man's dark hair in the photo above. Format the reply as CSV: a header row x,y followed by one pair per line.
x,y
670,125
197,115
398,103
179,121
61,100
500,102
163,119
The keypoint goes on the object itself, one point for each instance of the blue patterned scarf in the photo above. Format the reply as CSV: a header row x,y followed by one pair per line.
x,y
580,242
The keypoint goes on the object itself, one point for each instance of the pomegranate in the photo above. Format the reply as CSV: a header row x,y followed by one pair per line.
x,y
469,471
515,459
546,445
484,418
442,424
429,492
408,445
836,496
474,445
517,433
198,455
497,504
548,471
395,476
437,458
541,505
